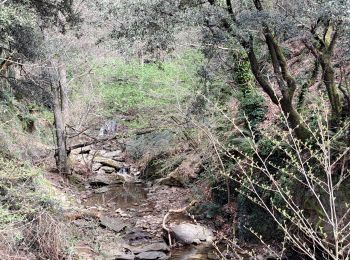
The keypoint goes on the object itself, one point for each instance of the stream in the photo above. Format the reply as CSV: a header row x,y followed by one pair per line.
x,y
133,200
122,215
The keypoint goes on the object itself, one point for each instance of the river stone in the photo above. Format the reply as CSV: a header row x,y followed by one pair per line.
x,y
105,179
114,224
111,155
109,162
151,247
187,233
152,255
137,235
107,169
111,251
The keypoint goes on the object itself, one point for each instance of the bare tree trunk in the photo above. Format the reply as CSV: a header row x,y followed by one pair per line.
x,y
62,160
62,73
60,105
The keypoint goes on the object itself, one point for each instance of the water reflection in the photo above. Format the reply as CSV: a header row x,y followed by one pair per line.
x,y
120,196
200,252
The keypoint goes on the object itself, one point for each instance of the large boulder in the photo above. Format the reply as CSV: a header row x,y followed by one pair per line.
x,y
252,216
101,179
187,233
109,162
186,172
82,150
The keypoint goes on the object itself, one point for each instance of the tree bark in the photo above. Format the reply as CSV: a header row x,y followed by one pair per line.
x,y
287,87
332,90
59,103
325,48
62,73
61,159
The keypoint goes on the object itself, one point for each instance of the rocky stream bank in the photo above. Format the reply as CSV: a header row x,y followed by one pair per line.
x,y
117,215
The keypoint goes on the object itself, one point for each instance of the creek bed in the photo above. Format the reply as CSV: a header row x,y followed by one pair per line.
x,y
134,196
128,195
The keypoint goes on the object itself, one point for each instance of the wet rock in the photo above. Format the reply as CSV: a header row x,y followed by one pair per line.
x,y
101,179
187,233
107,169
114,224
109,162
152,255
161,246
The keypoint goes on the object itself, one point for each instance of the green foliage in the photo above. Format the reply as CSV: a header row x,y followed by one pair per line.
x,y
252,104
15,15
24,128
133,86
23,191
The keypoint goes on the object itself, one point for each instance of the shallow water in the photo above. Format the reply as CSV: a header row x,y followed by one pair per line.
x,y
134,195
119,196
200,252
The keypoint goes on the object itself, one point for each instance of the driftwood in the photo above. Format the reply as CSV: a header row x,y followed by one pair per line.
x,y
175,211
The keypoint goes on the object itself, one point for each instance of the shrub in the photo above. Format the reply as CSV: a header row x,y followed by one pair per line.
x,y
302,186
29,223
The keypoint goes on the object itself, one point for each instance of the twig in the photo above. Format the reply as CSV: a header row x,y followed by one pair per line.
x,y
174,211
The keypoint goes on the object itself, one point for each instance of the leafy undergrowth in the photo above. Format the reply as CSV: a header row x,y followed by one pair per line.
x,y
24,130
148,92
29,210
136,86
